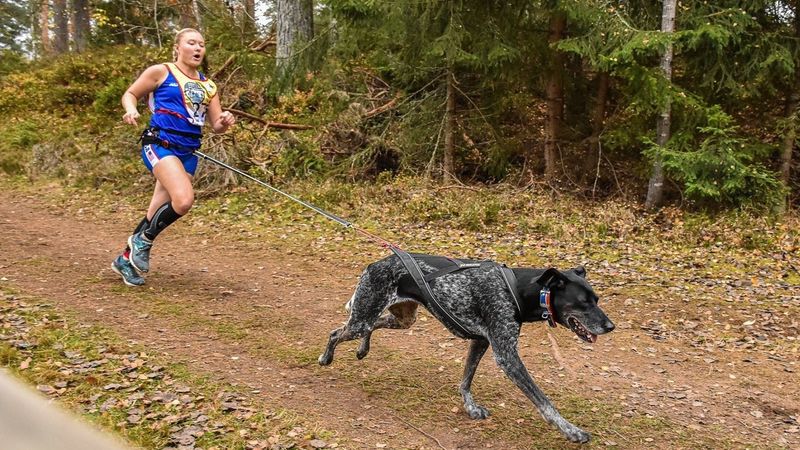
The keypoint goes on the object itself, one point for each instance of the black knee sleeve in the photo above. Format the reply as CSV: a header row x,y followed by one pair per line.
x,y
164,217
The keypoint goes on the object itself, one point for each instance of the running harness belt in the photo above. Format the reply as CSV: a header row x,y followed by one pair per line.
x,y
422,280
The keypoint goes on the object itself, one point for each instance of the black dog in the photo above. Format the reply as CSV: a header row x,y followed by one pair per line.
x,y
476,302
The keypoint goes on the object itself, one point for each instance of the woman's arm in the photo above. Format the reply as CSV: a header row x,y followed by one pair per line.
x,y
147,82
220,120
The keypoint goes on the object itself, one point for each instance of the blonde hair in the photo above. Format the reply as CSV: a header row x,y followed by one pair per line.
x,y
178,36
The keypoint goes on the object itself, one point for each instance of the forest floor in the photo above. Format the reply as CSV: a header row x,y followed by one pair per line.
x,y
705,354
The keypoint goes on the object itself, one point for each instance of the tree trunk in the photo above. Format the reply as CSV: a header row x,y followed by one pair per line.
x,y
61,23
792,102
555,96
599,109
597,117
249,19
448,166
198,21
655,189
790,110
186,17
44,27
295,28
80,20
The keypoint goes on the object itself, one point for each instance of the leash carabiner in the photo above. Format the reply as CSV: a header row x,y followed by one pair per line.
x,y
544,302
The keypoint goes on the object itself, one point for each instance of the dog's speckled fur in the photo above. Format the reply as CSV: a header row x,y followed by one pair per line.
x,y
481,302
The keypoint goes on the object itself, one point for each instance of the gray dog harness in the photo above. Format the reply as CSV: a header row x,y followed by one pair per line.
x,y
422,281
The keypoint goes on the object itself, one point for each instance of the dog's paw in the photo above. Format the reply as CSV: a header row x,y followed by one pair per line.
x,y
477,412
324,359
577,435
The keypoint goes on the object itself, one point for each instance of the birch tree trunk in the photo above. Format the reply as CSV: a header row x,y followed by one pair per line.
x,y
655,189
555,96
80,20
295,28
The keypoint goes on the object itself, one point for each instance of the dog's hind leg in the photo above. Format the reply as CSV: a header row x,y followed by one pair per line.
x,y
366,307
339,335
401,316
477,348
504,345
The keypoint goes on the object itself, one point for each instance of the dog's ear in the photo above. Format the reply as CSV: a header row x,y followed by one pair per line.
x,y
580,271
551,278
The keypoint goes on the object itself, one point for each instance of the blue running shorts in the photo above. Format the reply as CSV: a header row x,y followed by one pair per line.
x,y
152,154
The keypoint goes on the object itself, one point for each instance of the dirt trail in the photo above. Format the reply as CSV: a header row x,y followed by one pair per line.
x,y
249,313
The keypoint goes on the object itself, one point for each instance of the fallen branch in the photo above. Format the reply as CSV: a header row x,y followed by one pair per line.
x,y
282,126
381,109
456,186
421,431
264,45
223,67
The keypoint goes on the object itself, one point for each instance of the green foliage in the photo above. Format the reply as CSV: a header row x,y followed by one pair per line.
x,y
717,165
300,159
738,55
107,99
11,61
70,83
13,21
14,141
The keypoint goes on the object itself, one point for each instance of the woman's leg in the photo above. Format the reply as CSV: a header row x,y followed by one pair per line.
x,y
160,196
173,197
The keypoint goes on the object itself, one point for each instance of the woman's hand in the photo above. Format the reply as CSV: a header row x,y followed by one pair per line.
x,y
130,117
226,119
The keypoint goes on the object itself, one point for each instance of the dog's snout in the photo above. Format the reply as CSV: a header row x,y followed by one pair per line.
x,y
608,326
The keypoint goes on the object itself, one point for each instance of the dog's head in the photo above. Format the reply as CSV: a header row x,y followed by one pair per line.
x,y
575,303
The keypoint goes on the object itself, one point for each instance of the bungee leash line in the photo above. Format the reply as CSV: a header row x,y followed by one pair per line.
x,y
318,210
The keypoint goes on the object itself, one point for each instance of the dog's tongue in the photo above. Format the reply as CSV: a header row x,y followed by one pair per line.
x,y
593,337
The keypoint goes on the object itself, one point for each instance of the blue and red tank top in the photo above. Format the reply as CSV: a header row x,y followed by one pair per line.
x,y
180,104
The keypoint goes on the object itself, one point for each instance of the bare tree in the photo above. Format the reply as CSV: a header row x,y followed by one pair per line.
x,y
655,189
295,27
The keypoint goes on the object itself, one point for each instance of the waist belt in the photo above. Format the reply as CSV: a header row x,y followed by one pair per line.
x,y
422,281
151,136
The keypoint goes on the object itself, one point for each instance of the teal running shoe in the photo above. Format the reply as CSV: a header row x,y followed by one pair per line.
x,y
140,252
125,269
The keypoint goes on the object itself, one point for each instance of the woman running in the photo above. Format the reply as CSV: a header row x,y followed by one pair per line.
x,y
180,98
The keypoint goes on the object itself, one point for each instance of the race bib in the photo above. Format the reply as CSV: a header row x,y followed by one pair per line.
x,y
197,94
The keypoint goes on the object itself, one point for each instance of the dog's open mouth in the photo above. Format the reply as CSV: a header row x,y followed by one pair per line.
x,y
577,327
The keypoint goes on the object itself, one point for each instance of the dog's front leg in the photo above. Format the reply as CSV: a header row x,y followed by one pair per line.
x,y
504,346
477,348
